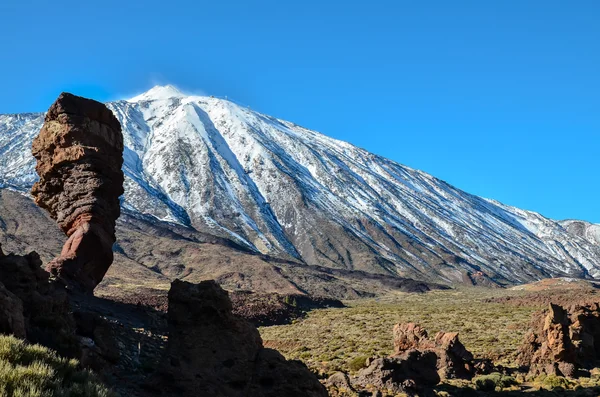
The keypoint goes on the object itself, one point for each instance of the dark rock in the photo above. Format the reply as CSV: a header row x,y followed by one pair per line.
x,y
340,381
45,304
483,366
214,353
79,153
411,372
12,321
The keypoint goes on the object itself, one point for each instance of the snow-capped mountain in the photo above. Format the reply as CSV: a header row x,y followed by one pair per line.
x,y
282,190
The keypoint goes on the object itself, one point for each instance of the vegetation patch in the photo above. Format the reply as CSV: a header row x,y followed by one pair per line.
x,y
35,371
332,338
494,381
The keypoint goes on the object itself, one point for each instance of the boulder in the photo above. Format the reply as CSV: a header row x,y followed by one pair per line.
x,y
340,381
454,360
211,352
412,372
79,153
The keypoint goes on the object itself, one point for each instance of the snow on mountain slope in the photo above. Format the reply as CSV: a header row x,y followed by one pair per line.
x,y
586,230
289,192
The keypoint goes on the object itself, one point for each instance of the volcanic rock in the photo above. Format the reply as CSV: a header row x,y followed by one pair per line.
x,y
340,381
454,360
79,153
562,341
412,372
211,352
12,321
34,306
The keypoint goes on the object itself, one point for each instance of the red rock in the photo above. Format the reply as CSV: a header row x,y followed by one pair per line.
x,y
79,153
561,341
454,360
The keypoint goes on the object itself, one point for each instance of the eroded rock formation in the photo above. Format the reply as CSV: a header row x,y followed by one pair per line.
x,y
562,341
79,153
211,352
454,360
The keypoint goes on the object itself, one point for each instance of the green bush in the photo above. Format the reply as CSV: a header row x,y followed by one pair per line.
x,y
492,381
357,363
553,382
35,371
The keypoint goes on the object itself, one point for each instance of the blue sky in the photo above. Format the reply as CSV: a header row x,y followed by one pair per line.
x,y
500,98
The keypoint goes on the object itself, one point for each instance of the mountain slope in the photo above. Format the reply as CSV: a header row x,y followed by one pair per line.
x,y
276,188
586,230
149,254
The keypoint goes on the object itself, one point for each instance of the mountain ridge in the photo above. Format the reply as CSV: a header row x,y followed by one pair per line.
x,y
280,189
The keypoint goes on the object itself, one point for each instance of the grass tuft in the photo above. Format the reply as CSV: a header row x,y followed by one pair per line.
x,y
35,371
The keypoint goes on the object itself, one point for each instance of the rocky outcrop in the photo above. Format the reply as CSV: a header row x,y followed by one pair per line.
x,y
211,352
412,372
79,153
454,360
33,306
562,341
416,366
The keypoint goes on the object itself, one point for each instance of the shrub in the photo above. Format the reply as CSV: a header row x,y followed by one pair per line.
x,y
33,370
357,363
553,382
492,381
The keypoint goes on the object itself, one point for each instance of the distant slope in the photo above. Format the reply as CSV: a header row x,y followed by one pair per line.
x,y
150,253
276,188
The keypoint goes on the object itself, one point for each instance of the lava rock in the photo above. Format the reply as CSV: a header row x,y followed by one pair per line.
x,y
562,341
79,153
43,303
214,353
412,372
12,321
454,360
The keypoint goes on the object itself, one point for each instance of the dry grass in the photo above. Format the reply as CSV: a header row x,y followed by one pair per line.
x,y
35,371
329,340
